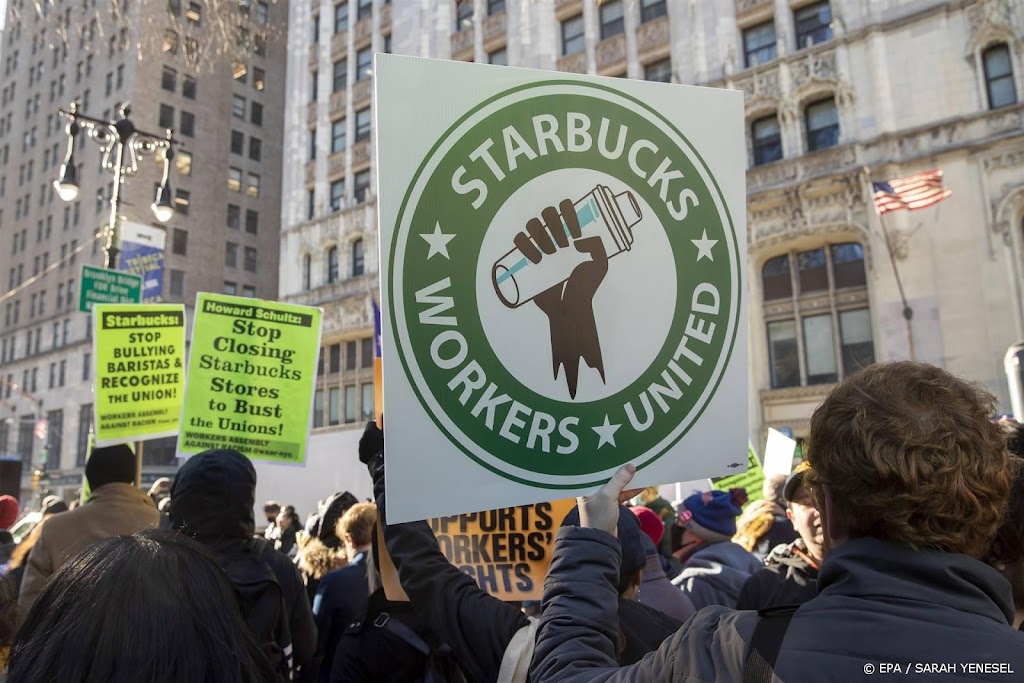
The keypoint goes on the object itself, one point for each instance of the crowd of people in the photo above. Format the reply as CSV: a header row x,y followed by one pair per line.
x,y
898,542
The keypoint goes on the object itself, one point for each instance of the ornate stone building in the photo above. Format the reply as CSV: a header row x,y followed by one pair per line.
x,y
839,94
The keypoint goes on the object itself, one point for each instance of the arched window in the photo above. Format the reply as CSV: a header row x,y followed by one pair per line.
x,y
332,265
358,265
813,337
822,121
999,84
307,265
766,136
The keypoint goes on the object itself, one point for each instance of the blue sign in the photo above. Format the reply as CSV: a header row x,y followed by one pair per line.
x,y
142,253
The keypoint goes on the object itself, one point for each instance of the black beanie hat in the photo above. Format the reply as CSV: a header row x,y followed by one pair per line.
x,y
110,465
630,535
213,495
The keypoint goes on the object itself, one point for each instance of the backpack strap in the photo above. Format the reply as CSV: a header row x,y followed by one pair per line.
x,y
399,629
765,644
515,664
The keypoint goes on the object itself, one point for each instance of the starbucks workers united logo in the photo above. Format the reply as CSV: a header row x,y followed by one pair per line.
x,y
564,284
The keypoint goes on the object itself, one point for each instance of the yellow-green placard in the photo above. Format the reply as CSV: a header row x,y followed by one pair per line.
x,y
252,367
139,351
752,480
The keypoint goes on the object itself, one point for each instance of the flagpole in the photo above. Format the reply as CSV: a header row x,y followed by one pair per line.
x,y
908,313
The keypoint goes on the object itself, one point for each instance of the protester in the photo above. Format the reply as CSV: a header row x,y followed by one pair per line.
x,y
764,526
148,608
342,596
714,568
651,498
271,509
160,489
1007,552
212,501
115,507
8,619
791,574
479,628
911,478
55,504
289,525
322,551
8,518
656,590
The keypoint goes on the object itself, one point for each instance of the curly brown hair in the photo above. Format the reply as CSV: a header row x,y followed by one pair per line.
x,y
910,455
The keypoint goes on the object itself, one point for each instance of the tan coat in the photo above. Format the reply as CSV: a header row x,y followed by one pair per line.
x,y
112,510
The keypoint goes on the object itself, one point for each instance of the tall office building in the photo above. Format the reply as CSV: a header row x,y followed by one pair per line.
x,y
838,93
226,107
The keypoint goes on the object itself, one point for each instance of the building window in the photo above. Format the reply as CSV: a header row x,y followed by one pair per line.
x,y
767,140
363,124
660,71
572,35
237,142
235,179
999,76
188,124
367,400
361,185
498,57
307,265
802,347
166,116
183,162
84,428
262,12
177,283
238,106
813,24
252,186
612,23
759,44
340,75
340,17
179,242
318,408
169,79
463,14
255,149
822,119
337,195
334,406
364,64
310,204
256,115
259,78
230,287
234,216
387,44
332,265
337,136
248,291
350,403
250,260
495,7
194,13
252,221
358,258
364,9
231,255
188,87
366,352
334,359
652,9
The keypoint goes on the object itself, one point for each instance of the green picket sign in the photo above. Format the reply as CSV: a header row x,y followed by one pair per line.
x,y
752,480
139,352
251,374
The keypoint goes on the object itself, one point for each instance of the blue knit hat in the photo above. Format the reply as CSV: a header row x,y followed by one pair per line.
x,y
713,511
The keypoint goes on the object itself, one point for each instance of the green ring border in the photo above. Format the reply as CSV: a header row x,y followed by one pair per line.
x,y
391,270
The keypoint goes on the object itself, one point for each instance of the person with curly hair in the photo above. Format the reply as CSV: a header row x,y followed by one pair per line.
x,y
1007,551
911,478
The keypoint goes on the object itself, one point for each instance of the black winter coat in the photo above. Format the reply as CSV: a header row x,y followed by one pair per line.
x,y
789,579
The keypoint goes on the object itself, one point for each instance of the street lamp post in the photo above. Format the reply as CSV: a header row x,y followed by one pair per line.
x,y
124,142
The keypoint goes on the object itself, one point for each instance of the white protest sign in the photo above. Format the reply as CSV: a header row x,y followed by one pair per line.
x,y
778,454
562,269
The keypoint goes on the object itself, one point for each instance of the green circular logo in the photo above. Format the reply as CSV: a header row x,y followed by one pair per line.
x,y
564,284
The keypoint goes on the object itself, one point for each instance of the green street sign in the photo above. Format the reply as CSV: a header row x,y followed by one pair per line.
x,y
103,286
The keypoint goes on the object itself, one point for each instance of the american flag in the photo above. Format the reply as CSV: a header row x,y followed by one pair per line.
x,y
911,193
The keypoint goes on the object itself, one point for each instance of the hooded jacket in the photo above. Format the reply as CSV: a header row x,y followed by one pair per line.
x,y
212,500
878,602
788,579
715,574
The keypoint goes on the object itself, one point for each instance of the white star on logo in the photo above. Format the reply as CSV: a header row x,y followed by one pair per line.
x,y
606,432
438,242
704,246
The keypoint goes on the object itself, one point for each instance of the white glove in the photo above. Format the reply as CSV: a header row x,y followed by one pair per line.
x,y
601,510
